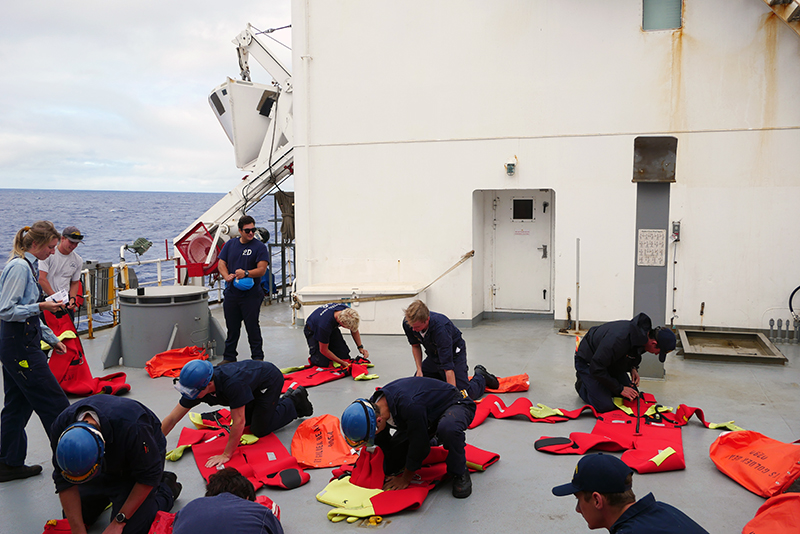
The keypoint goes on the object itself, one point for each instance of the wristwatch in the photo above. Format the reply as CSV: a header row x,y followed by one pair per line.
x,y
360,347
246,273
121,518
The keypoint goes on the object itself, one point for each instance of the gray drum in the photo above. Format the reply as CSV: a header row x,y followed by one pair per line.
x,y
155,319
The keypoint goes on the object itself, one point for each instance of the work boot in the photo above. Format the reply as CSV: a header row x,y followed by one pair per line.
x,y
299,396
171,480
491,381
224,362
8,472
462,485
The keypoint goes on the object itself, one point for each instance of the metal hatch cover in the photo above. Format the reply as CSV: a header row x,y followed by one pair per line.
x,y
751,347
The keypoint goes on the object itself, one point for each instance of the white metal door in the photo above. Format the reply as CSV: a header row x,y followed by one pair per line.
x,y
522,251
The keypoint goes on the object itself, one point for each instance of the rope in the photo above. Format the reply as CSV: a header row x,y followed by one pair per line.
x,y
297,303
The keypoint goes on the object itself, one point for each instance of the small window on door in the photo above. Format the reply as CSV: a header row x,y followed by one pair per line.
x,y
522,209
661,14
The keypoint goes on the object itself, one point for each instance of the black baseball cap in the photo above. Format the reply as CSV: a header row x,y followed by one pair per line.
x,y
602,473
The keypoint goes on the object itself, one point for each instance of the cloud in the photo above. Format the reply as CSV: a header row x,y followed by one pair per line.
x,y
99,95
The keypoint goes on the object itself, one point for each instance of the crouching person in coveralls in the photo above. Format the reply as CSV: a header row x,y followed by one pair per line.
x,y
326,345
417,409
111,450
607,353
252,391
445,349
227,507
603,487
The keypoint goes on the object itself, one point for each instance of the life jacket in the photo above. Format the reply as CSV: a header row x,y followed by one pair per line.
x,y
510,384
170,363
763,465
309,375
71,368
356,491
649,434
264,461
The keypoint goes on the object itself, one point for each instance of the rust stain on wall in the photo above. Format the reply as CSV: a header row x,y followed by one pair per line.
x,y
677,113
769,27
768,30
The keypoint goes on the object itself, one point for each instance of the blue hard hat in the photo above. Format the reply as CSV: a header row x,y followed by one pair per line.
x,y
79,452
194,378
243,284
359,423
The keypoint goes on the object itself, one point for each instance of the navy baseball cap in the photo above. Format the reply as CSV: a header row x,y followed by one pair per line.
x,y
666,342
602,473
73,234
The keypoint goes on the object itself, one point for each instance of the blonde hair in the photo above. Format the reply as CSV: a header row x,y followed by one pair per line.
x,y
40,233
349,319
417,312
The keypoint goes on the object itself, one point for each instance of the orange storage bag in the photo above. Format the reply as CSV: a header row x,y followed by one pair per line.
x,y
779,515
763,465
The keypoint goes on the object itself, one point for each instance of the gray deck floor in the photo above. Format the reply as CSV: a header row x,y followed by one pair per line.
x,y
514,494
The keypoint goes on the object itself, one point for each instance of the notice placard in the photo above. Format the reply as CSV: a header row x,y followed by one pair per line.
x,y
651,248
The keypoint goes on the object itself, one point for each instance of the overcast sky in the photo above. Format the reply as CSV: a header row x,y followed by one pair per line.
x,y
114,95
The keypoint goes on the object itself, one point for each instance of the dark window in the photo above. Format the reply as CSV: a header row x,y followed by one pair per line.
x,y
217,104
523,208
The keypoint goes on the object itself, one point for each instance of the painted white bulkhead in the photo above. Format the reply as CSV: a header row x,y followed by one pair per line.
x,y
405,115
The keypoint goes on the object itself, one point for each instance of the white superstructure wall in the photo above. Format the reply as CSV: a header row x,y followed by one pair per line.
x,y
403,111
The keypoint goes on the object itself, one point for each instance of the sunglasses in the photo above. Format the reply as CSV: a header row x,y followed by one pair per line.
x,y
249,230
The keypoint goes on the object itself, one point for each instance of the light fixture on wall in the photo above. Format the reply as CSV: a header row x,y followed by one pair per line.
x,y
511,165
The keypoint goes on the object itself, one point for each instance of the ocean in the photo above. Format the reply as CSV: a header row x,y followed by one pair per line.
x,y
111,219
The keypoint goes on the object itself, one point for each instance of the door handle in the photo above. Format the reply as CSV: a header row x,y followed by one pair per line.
x,y
543,248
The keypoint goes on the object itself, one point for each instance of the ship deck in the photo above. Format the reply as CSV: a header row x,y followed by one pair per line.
x,y
512,495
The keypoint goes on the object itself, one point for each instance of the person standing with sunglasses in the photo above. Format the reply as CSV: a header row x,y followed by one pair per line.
x,y
242,263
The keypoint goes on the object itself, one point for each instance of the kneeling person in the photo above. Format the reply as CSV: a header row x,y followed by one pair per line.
x,y
252,391
326,345
607,353
111,450
445,349
417,408
603,486
227,507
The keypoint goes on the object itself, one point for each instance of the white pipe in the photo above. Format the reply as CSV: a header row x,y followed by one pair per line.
x,y
577,283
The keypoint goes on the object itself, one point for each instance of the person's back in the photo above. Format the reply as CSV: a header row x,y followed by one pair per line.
x,y
229,506
649,516
225,513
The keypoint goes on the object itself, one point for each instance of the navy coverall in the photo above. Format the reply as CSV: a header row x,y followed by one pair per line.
x,y
421,408
241,305
445,350
257,386
605,356
134,453
322,327
225,513
28,382
649,516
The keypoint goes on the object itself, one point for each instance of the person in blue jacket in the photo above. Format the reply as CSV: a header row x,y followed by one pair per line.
x,y
252,391
603,487
110,450
242,263
607,353
417,409
445,349
29,385
326,345
227,507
